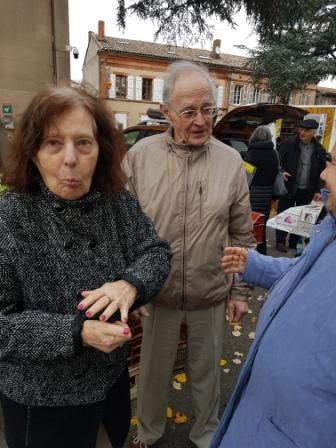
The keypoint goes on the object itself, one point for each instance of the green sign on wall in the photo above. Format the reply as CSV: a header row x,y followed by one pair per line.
x,y
7,108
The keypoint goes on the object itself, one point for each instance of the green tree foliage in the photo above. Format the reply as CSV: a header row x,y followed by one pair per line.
x,y
189,19
299,54
297,37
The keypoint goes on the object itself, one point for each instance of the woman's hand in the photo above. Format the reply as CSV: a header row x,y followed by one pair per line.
x,y
109,298
104,336
234,259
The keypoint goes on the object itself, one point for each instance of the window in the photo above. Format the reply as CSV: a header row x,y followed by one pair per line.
x,y
304,98
147,89
237,94
256,95
121,86
121,120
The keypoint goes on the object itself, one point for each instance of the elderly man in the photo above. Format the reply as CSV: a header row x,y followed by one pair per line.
x,y
194,188
286,392
302,159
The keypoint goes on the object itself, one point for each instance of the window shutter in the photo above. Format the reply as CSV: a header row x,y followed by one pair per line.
x,y
249,94
264,97
130,87
111,93
243,95
157,90
220,95
232,91
138,88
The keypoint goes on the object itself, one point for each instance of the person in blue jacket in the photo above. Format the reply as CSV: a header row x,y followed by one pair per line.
x,y
286,392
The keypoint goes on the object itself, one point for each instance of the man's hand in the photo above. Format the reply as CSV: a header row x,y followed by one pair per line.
x,y
286,175
317,197
139,313
236,309
234,259
109,298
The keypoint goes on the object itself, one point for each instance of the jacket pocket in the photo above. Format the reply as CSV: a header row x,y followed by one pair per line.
x,y
271,436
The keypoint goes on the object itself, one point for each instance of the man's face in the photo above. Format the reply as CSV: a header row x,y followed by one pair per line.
x,y
306,135
329,177
191,92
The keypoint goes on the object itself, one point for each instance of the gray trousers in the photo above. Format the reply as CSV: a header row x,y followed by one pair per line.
x,y
204,349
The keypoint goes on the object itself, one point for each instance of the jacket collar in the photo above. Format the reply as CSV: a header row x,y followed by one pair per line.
x,y
55,201
261,145
182,148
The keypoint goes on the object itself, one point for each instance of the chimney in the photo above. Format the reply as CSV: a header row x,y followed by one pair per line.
x,y
101,30
215,53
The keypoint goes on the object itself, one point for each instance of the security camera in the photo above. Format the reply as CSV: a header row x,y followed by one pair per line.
x,y
75,52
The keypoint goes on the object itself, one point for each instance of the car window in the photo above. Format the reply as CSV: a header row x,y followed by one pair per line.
x,y
131,138
152,132
239,145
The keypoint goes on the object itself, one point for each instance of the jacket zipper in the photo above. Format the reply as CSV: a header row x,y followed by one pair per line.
x,y
184,225
200,190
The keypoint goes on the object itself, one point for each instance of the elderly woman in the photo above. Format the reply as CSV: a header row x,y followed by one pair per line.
x,y
70,233
262,155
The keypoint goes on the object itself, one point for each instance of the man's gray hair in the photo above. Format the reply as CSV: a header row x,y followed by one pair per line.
x,y
176,69
260,134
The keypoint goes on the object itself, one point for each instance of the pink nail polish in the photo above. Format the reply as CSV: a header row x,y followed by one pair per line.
x,y
88,314
102,317
125,331
80,306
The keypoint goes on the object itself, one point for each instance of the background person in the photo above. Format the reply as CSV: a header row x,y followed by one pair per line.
x,y
67,225
286,391
262,155
195,190
302,160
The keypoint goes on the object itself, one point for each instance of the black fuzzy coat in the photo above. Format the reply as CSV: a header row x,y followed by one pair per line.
x,y
290,156
50,249
263,156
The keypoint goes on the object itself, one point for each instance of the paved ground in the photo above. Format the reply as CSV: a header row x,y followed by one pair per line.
x,y
235,348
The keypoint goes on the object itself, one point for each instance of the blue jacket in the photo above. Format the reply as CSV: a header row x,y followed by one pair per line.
x,y
285,396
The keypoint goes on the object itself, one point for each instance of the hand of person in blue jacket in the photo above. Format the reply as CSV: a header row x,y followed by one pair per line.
x,y
234,260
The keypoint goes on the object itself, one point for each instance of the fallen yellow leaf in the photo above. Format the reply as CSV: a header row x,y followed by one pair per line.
x,y
234,323
180,417
134,421
169,412
176,385
222,362
181,377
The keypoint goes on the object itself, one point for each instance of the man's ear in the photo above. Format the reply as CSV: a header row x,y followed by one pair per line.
x,y
164,110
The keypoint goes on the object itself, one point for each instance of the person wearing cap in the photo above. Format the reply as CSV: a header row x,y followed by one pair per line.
x,y
302,160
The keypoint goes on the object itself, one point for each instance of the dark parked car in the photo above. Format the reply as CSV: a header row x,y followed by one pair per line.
x,y
234,128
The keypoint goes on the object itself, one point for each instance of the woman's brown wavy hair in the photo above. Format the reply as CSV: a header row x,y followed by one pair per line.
x,y
20,173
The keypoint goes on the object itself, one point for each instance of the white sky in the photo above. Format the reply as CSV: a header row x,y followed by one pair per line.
x,y
84,16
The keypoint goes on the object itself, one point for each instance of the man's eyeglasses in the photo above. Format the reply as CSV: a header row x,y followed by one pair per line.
x,y
208,113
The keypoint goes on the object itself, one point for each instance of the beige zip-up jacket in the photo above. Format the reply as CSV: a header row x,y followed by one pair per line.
x,y
198,199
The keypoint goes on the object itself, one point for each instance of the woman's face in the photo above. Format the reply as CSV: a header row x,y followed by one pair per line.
x,y
68,154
